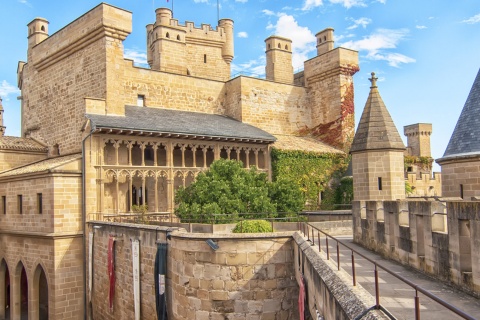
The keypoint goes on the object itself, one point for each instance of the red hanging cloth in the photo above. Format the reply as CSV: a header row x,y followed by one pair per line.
x,y
301,298
111,270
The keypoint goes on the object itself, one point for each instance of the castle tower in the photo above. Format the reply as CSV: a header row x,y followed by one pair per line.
x,y
188,50
418,139
328,78
377,153
461,160
37,31
279,59
324,41
2,127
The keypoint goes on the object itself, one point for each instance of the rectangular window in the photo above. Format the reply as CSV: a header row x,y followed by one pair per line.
x,y
39,203
380,183
461,191
141,100
20,204
4,204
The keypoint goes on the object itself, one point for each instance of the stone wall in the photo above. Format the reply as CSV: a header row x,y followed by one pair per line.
x,y
438,238
424,184
370,167
329,291
461,175
248,277
13,158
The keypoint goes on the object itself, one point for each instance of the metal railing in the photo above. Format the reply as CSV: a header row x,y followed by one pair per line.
x,y
309,230
240,217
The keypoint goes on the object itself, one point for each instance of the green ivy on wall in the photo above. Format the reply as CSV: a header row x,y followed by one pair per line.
x,y
312,172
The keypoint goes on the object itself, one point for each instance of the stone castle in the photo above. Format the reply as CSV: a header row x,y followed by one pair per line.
x,y
101,136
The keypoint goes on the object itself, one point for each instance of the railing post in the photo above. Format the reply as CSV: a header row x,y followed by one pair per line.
x,y
319,241
417,305
313,237
338,257
326,243
353,270
377,290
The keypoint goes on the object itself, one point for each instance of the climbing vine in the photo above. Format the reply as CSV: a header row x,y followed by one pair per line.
x,y
424,163
312,172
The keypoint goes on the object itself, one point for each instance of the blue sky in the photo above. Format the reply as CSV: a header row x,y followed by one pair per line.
x,y
426,53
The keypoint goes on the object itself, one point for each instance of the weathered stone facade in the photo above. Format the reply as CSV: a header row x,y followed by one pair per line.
x,y
248,277
78,75
435,237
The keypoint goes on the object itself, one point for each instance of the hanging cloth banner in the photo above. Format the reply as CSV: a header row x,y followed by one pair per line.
x,y
160,278
111,271
136,277
90,265
301,298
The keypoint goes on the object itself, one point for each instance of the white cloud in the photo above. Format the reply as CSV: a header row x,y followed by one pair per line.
x,y
268,12
7,89
303,39
241,1
310,4
242,34
382,1
363,22
378,42
473,20
251,68
349,3
421,27
200,1
25,2
138,57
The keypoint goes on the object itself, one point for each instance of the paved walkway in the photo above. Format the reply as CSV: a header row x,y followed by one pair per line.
x,y
398,297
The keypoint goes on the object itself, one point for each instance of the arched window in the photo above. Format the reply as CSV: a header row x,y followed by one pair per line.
x,y
279,46
42,28
178,37
286,47
269,46
167,35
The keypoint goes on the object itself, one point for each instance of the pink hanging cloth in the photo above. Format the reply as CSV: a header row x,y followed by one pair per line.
x,y
111,271
301,298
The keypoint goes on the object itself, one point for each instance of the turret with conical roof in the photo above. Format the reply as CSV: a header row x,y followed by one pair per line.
x,y
461,161
377,153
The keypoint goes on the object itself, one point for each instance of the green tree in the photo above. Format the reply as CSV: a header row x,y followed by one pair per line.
x,y
228,188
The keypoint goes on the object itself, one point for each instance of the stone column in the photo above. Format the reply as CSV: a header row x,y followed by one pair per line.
x,y
33,300
15,302
182,148
216,152
256,157
116,145
117,194
155,160
156,191
205,156
142,147
144,193
194,150
130,190
247,157
130,146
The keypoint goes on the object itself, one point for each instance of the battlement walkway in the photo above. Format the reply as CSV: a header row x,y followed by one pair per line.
x,y
398,297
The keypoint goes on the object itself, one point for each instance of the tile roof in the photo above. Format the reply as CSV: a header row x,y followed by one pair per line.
x,y
295,143
42,165
376,129
18,143
179,122
465,140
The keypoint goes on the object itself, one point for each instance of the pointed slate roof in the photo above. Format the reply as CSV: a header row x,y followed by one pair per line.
x,y
376,130
465,140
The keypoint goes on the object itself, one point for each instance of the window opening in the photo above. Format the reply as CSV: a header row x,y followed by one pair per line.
x,y
20,204
204,58
39,203
4,204
461,191
380,186
141,100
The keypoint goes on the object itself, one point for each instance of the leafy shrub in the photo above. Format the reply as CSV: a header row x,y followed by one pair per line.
x,y
228,188
253,226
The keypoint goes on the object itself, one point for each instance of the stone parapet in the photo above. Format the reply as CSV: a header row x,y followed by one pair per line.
x,y
432,236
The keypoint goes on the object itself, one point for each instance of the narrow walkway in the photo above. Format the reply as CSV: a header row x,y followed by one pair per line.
x,y
398,297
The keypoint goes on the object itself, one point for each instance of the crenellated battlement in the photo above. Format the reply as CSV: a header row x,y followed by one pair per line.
x,y
435,236
199,51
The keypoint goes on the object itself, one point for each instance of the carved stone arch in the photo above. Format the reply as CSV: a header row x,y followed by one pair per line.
x,y
40,292
162,174
20,283
4,289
